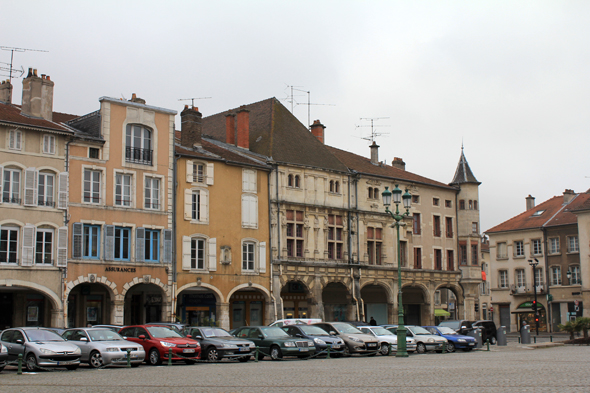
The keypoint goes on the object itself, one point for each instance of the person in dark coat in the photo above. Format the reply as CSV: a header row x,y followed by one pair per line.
x,y
372,322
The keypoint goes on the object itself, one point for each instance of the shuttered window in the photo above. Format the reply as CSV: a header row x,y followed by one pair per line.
x,y
152,245
44,247
249,183
15,140
9,245
249,211
49,144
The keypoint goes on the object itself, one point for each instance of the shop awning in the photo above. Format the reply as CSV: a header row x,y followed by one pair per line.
x,y
439,312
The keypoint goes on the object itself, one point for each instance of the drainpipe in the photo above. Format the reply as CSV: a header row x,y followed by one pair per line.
x,y
64,270
274,300
353,296
549,312
361,297
173,299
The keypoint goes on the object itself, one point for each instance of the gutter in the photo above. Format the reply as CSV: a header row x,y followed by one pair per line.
x,y
271,266
174,262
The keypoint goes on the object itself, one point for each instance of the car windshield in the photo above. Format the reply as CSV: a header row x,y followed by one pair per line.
x,y
162,332
381,331
419,330
451,324
274,332
104,335
313,331
446,330
43,335
214,332
346,328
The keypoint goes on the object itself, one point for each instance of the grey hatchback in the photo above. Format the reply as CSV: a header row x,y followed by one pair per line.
x,y
217,343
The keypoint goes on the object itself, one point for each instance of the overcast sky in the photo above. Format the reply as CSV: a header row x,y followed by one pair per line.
x,y
508,79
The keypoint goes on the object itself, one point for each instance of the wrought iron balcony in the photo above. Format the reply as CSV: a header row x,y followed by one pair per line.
x,y
45,202
139,156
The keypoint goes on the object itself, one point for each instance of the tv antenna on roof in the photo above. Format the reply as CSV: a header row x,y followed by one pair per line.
x,y
374,133
12,50
192,100
291,99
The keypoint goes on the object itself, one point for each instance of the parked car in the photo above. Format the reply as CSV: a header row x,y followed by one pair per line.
x,y
461,326
179,327
319,336
274,342
217,343
294,321
387,338
158,340
455,340
3,356
102,346
425,341
40,347
488,330
355,340
114,328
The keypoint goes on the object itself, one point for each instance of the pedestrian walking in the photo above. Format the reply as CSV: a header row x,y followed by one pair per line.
x,y
372,322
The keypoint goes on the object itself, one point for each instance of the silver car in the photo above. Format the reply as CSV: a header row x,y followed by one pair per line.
x,y
425,341
102,346
40,348
386,337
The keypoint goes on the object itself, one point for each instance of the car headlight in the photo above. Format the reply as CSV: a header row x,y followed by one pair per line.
x,y
319,341
310,343
49,351
167,344
252,345
289,344
461,340
430,340
358,340
112,349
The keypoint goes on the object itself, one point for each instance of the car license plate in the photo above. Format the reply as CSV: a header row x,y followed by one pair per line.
x,y
303,349
188,350
336,346
371,345
471,343
244,349
63,363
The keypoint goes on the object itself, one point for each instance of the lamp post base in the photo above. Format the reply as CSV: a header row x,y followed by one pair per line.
x,y
401,342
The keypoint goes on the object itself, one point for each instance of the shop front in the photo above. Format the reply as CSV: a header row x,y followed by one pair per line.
x,y
525,313
197,309
247,309
295,300
89,304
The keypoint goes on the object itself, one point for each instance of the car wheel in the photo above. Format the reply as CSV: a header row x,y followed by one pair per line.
x,y
95,360
346,351
384,350
72,368
244,359
493,340
420,348
450,347
275,353
31,362
154,357
213,355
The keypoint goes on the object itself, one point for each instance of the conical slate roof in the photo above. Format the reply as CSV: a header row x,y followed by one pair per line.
x,y
463,173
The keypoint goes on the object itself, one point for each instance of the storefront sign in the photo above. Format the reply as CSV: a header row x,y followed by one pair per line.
x,y
120,269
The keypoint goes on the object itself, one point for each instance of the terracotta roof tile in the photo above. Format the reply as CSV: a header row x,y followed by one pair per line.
x,y
12,114
216,150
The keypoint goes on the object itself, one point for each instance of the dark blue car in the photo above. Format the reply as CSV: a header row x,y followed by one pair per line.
x,y
455,340
320,337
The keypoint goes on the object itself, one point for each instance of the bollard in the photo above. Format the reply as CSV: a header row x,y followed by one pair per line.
x,y
128,357
551,338
20,364
328,354
389,349
256,355
444,347
535,339
170,356
519,340
488,344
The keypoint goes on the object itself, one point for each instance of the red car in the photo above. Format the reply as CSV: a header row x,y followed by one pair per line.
x,y
158,340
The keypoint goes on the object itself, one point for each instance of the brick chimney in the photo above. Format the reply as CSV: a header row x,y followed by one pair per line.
x,y
398,163
6,91
568,195
530,202
37,96
191,127
374,154
317,129
243,127
230,129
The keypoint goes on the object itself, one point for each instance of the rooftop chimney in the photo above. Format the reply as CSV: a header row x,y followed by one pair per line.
x,y
191,126
230,129
374,154
37,96
135,98
530,202
243,127
398,163
317,129
6,91
568,195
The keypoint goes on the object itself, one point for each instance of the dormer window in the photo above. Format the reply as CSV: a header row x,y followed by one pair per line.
x,y
138,144
538,213
48,144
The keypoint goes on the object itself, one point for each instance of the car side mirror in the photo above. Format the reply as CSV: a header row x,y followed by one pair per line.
x,y
463,327
299,335
83,339
189,336
260,336
141,337
19,341
198,337
332,333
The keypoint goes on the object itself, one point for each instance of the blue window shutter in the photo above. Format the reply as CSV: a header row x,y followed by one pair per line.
x,y
139,244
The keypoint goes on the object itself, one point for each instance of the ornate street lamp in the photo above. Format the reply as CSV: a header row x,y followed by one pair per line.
x,y
407,201
534,264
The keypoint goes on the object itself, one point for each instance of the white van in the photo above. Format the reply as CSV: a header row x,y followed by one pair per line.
x,y
294,321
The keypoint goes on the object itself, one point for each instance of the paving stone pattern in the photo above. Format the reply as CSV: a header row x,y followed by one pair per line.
x,y
514,368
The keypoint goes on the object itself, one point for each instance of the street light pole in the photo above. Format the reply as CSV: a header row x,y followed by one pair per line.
x,y
534,264
397,217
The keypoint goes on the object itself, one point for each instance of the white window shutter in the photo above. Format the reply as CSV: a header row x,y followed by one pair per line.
x,y
109,242
252,181
1,181
262,257
254,211
186,253
139,244
18,140
28,253
188,204
167,246
31,178
62,247
212,246
77,240
204,206
11,140
245,211
189,171
210,174
245,180
62,197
